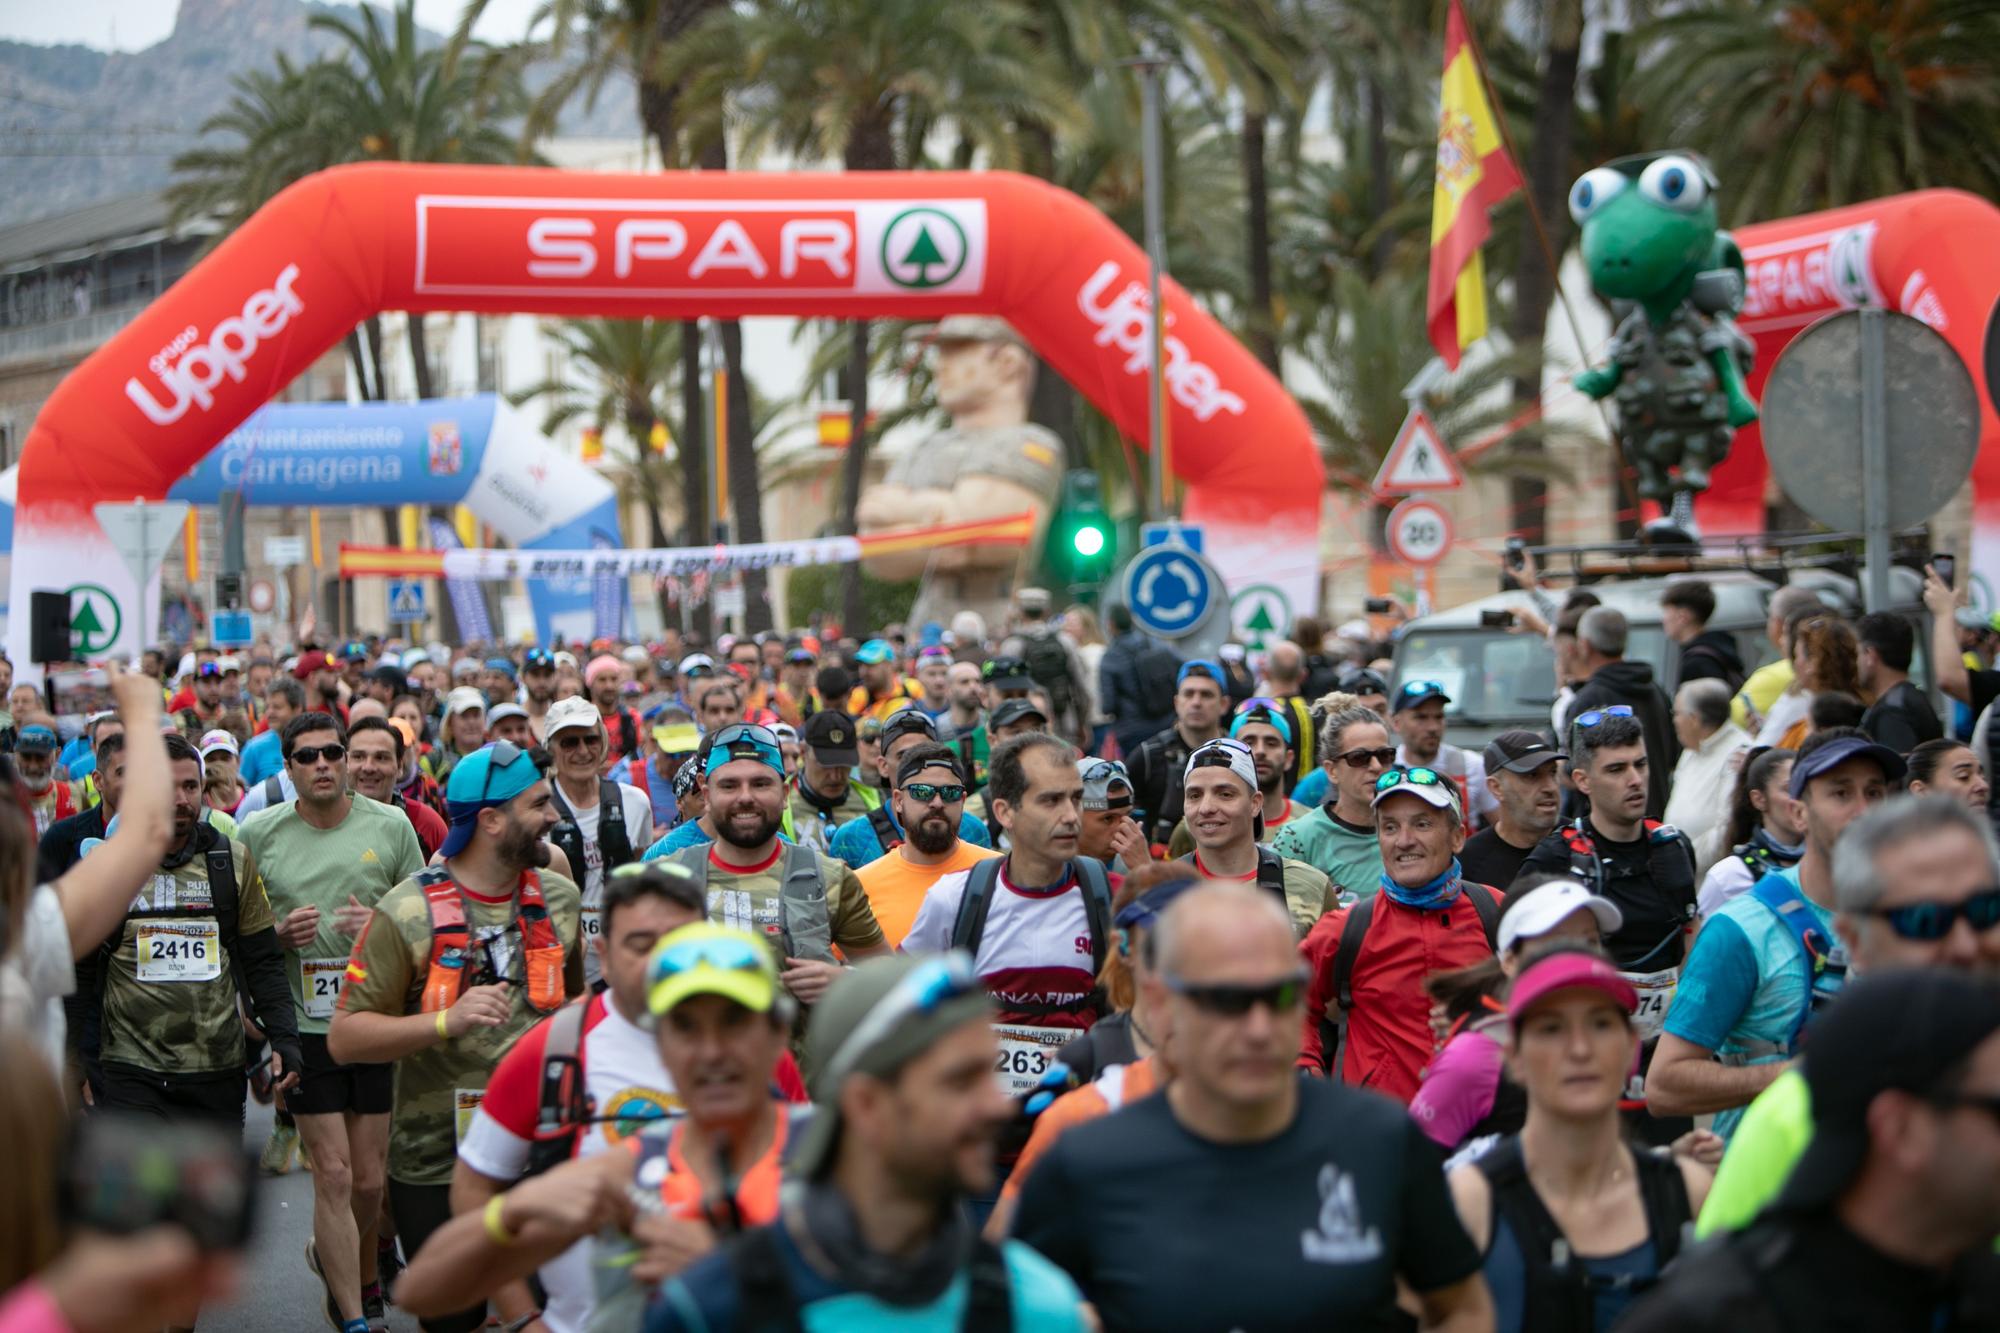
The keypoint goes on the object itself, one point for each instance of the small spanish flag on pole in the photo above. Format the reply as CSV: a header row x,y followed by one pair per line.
x,y
1474,173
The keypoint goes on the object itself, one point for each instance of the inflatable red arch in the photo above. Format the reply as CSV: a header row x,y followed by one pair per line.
x,y
1931,254
344,244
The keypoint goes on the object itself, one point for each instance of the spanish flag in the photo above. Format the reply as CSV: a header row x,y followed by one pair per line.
x,y
1473,174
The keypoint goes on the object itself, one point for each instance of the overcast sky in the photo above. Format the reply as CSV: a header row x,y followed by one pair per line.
x,y
132,25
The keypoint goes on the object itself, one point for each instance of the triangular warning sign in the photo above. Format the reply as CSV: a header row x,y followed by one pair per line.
x,y
1418,460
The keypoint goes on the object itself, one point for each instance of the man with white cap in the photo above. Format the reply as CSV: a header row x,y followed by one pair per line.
x,y
221,786
601,824
510,722
1108,831
1221,793
904,1128
1369,960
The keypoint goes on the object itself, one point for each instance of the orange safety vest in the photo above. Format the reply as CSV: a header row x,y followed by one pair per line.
x,y
682,1193
451,944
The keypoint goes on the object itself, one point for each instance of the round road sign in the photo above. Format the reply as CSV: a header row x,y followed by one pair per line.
x,y
1170,590
263,597
1419,532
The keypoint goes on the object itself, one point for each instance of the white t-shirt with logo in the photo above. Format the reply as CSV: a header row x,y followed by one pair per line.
x,y
629,1088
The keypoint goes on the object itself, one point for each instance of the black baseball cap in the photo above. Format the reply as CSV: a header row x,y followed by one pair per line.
x,y
905,720
1007,673
1903,1029
1014,710
1519,752
392,676
1363,681
830,736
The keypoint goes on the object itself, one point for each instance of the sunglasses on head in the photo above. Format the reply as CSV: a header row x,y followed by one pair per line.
x,y
504,753
728,955
1597,715
1930,922
1230,1001
926,988
1363,758
1104,770
333,753
1415,777
1413,688
923,793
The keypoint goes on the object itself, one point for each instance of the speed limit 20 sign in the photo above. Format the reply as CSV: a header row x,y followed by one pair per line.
x,y
1419,532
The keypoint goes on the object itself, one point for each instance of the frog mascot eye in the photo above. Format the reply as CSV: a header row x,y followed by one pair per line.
x,y
1674,182
1593,190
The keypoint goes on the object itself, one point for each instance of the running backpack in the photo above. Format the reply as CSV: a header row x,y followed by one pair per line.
x,y
564,1106
1042,652
1558,1294
1354,931
885,829
1270,872
969,927
1158,673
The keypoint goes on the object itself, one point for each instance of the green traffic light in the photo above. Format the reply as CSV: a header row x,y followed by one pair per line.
x,y
1089,541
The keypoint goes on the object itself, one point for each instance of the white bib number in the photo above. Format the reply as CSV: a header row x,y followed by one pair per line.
x,y
180,951
320,980
593,923
1656,996
1026,1054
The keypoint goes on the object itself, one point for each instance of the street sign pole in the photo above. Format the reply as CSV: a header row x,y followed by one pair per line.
x,y
141,532
1875,456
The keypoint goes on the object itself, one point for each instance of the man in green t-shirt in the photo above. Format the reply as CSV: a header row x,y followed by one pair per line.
x,y
328,857
1912,882
1338,839
452,966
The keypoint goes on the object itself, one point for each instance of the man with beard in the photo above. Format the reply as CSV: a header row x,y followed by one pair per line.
x,y
825,795
327,858
376,754
800,899
454,964
861,842
315,670
1419,722
35,761
928,796
1522,773
538,679
904,1128
205,713
962,725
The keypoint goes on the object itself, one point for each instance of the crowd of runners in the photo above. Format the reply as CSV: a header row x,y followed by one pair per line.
x,y
1032,979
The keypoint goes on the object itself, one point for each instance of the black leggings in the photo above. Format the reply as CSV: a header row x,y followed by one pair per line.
x,y
419,1210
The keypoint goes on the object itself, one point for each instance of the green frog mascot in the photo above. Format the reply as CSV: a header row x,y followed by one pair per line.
x,y
1675,283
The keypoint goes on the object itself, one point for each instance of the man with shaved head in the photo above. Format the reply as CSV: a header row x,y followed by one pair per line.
x,y
1239,1146
1285,681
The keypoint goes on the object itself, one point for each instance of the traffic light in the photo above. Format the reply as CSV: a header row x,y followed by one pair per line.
x,y
1082,544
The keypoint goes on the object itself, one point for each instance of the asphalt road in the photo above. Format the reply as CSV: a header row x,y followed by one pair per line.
x,y
278,1291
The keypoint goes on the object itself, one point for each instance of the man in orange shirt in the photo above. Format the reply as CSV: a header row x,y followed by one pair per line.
x,y
928,794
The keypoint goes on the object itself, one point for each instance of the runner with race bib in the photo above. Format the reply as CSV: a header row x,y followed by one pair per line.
x,y
327,859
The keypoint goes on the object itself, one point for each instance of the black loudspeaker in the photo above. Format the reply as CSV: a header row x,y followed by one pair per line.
x,y
48,627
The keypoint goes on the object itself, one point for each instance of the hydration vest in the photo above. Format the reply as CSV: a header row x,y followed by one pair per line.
x,y
612,839
1270,872
1558,1290
455,962
805,926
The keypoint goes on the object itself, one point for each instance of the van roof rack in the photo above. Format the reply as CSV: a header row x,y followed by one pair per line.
x,y
1772,556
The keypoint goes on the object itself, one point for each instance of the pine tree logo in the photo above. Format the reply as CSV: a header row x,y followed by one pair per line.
x,y
1261,615
923,248
94,619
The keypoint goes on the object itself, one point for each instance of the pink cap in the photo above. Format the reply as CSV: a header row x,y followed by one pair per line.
x,y
1567,971
599,666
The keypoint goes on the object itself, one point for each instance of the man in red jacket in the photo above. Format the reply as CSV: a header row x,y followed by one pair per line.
x,y
1369,961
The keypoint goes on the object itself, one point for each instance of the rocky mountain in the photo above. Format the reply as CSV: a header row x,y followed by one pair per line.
x,y
81,125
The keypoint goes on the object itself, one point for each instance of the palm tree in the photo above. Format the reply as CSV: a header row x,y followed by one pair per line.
x,y
1808,104
1370,354
395,99
628,368
862,82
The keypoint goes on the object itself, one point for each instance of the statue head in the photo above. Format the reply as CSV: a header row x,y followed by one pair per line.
x,y
1648,224
983,368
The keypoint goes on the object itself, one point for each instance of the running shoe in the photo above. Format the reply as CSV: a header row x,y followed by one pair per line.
x,y
276,1159
333,1315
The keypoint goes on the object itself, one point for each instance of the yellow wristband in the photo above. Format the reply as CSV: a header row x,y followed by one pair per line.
x,y
496,1230
444,1034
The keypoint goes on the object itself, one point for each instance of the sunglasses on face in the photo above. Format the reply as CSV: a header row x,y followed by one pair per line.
x,y
312,754
1597,715
1415,777
1930,922
1363,758
1235,1001
578,740
923,793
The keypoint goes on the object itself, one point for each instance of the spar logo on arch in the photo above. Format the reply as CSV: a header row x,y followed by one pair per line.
x,y
94,619
478,245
